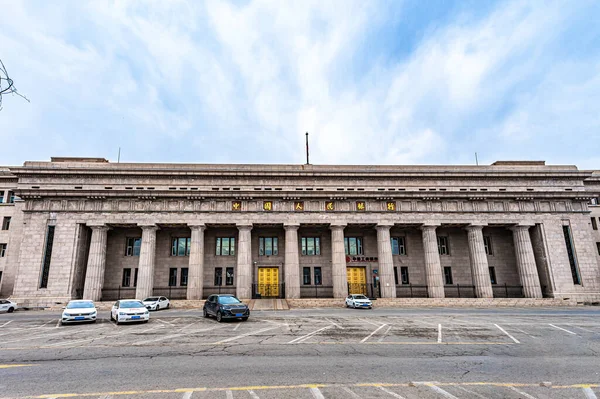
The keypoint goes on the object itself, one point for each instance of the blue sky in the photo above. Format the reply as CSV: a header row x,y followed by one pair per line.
x,y
374,82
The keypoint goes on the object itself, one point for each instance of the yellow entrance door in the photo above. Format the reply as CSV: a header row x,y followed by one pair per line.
x,y
268,281
357,280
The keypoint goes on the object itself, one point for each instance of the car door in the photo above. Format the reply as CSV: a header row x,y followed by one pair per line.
x,y
3,306
163,302
114,309
213,305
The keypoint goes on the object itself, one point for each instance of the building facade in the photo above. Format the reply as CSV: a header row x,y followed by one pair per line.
x,y
87,228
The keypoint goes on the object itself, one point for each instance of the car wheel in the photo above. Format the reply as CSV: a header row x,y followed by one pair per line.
x,y
157,308
117,320
353,305
219,316
168,305
10,310
111,318
204,312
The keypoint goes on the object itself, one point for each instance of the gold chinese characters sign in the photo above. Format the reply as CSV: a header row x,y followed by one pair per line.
x,y
329,206
298,206
267,205
391,206
360,205
236,206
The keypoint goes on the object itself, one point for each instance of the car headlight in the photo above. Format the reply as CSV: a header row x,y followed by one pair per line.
x,y
66,315
121,314
146,312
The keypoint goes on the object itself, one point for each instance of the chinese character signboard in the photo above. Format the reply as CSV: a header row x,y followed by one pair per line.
x,y
298,206
236,206
329,206
360,205
267,205
391,206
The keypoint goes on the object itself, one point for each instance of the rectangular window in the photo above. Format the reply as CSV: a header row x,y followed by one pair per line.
x,y
404,275
229,276
0,277
11,197
395,275
172,277
598,247
184,277
448,275
571,253
311,246
318,276
398,245
6,223
180,246
306,275
218,276
126,278
493,275
353,245
443,247
3,250
135,274
1,197
594,224
133,245
47,257
267,246
487,243
225,246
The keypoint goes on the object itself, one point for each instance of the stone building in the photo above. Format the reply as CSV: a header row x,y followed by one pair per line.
x,y
85,227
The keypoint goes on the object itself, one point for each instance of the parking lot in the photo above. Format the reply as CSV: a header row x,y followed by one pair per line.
x,y
398,354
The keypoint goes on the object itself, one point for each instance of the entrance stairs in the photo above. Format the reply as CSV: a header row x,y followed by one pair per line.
x,y
268,304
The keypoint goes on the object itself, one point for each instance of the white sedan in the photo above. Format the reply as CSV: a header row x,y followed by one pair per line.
x,y
79,311
126,310
358,301
7,306
157,303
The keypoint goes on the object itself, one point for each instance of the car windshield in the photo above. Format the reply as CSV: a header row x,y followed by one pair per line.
x,y
228,300
360,297
80,305
131,304
151,299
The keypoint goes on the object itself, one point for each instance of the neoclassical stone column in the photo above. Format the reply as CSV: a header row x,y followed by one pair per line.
x,y
244,262
96,264
338,262
479,264
292,262
528,273
433,266
386,262
145,282
196,265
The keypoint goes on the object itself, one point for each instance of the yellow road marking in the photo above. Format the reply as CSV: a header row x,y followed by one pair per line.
x,y
7,366
301,386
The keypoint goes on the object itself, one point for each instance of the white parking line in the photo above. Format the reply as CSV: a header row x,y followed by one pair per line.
x,y
509,336
335,324
229,394
254,396
439,334
441,391
187,395
373,333
524,394
394,394
307,336
471,392
589,394
525,332
384,334
238,326
560,328
245,335
352,393
316,393
371,323
43,336
7,323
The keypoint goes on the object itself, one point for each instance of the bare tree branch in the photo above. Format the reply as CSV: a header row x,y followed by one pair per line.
x,y
7,85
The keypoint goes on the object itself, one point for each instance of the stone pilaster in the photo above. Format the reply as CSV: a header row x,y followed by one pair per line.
x,y
338,262
94,276
386,262
244,262
196,265
433,267
528,273
292,262
479,264
145,282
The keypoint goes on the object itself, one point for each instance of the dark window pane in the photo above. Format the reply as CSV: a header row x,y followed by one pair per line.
x,y
172,277
571,254
448,275
493,275
229,276
184,277
306,275
181,246
218,252
404,275
47,257
318,276
218,276
261,246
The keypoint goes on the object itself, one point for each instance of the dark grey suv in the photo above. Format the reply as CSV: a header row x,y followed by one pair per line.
x,y
226,307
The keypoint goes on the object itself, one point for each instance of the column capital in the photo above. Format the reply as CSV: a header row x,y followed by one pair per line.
x,y
384,226
429,226
474,227
244,227
337,226
519,227
148,227
291,226
99,227
197,226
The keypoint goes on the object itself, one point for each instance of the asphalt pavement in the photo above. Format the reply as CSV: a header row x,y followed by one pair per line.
x,y
312,353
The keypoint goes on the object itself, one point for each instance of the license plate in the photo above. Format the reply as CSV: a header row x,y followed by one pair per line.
x,y
79,318
238,315
135,317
